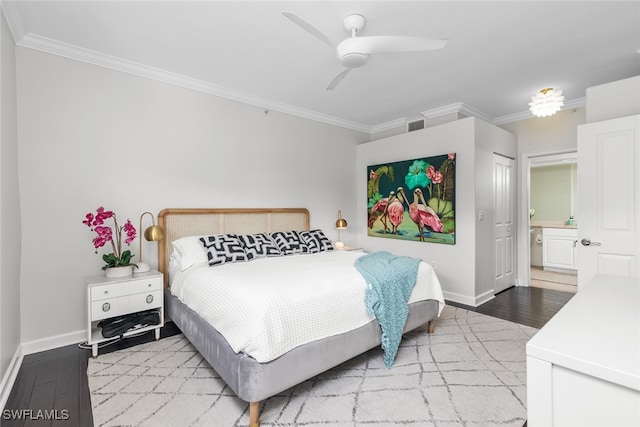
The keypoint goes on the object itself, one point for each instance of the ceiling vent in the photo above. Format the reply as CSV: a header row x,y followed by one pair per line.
x,y
415,125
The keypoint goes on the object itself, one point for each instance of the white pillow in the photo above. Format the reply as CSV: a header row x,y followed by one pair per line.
x,y
189,251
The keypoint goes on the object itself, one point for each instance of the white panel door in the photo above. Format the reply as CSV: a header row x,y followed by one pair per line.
x,y
609,198
504,210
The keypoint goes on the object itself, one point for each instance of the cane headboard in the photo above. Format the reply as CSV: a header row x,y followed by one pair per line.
x,y
183,222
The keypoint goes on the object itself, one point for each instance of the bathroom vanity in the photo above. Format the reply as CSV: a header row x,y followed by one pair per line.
x,y
559,248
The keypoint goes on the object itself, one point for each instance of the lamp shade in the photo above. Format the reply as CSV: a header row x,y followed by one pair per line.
x,y
154,233
547,102
341,223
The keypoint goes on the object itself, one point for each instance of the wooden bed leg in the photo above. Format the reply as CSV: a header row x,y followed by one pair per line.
x,y
431,326
254,414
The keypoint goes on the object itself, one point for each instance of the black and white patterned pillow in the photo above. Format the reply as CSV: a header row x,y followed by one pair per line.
x,y
316,241
223,248
289,242
258,245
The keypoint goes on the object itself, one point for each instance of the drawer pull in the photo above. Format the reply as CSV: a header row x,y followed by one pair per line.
x,y
149,285
149,299
106,306
106,292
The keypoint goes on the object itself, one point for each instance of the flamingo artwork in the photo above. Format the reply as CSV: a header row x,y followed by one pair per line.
x,y
423,215
379,210
395,210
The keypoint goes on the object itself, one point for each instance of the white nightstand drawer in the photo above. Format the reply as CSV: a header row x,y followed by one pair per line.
x,y
145,301
145,285
111,307
111,290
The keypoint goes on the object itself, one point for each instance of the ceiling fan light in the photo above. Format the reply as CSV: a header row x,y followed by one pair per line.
x,y
354,60
547,102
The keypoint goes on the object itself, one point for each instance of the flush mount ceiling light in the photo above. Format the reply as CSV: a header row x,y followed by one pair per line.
x,y
547,102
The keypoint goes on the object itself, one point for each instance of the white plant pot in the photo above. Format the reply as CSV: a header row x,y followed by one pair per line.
x,y
119,271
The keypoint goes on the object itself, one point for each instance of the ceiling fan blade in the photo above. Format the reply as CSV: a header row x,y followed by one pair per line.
x,y
378,44
309,28
337,79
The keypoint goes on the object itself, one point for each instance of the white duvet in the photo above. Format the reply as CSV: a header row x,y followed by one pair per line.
x,y
269,306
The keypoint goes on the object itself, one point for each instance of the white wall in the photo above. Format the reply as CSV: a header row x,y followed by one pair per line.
x,y
612,100
91,136
455,137
9,218
474,142
559,131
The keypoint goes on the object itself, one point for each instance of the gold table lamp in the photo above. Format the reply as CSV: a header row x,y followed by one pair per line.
x,y
151,234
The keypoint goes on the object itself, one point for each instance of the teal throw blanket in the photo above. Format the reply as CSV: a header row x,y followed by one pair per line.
x,y
390,279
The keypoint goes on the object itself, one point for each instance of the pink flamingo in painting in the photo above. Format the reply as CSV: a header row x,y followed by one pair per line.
x,y
395,210
423,215
379,210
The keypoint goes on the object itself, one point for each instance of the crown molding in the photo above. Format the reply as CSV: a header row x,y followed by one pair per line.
x,y
56,47
389,125
468,111
25,39
434,113
458,107
524,115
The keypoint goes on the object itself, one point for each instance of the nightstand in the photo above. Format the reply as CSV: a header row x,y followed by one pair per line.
x,y
349,248
108,298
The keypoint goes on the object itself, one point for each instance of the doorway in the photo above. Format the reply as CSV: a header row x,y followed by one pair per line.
x,y
550,220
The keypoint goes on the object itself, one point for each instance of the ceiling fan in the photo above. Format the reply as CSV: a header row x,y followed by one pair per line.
x,y
354,51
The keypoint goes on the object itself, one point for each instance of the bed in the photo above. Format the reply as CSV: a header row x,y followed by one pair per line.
x,y
254,379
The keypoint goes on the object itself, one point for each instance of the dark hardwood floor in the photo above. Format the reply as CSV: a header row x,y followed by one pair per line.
x,y
525,305
52,389
53,384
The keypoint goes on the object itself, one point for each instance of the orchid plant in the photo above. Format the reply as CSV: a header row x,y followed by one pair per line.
x,y
105,234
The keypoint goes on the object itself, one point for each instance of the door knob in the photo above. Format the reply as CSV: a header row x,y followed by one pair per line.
x,y
587,242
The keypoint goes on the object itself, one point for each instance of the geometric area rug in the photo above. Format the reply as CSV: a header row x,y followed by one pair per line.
x,y
470,372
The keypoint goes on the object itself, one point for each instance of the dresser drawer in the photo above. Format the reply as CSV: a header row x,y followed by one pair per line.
x,y
145,301
107,291
145,285
110,307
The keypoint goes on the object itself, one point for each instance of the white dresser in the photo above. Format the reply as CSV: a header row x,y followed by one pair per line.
x,y
583,366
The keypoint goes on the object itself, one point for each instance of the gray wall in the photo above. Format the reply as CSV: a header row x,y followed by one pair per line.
x,y
10,239
91,136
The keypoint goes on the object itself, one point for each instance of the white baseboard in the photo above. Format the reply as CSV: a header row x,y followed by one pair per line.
x,y
31,347
459,298
56,341
482,298
10,376
472,301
